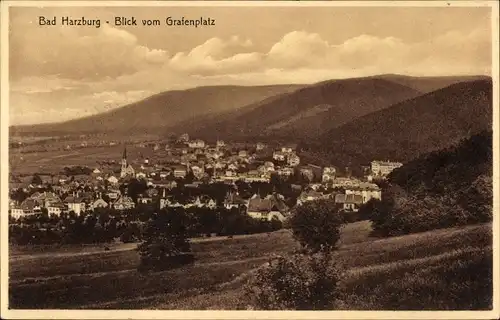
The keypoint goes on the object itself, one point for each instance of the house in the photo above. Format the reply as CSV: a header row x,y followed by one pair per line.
x,y
307,173
383,168
242,153
309,195
124,203
328,174
285,172
180,172
214,154
167,185
63,179
75,204
45,199
164,174
287,149
112,180
293,160
268,208
140,175
56,209
230,173
220,144
113,194
169,203
202,202
16,212
183,138
233,200
198,171
196,144
30,206
96,171
350,202
266,169
99,203
341,182
27,207
260,146
145,199
279,156
366,190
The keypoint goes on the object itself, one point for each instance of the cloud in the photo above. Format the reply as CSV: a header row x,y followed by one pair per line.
x,y
106,51
48,84
109,67
216,56
298,49
450,53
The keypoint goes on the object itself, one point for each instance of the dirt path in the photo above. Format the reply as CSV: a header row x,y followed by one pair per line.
x,y
99,249
74,276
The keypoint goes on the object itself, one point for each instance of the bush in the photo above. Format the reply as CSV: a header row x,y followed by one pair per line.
x,y
306,281
316,225
299,282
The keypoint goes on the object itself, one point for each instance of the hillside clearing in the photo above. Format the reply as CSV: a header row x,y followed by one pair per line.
x,y
379,273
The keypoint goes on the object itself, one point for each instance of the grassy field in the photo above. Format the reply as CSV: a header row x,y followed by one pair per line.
x,y
443,269
53,161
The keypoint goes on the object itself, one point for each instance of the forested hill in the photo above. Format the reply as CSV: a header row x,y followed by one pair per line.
x,y
411,128
449,170
442,189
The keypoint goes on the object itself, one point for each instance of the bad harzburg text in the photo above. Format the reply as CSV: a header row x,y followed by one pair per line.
x,y
127,21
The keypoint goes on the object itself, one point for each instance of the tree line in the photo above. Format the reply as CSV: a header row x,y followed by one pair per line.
x,y
106,225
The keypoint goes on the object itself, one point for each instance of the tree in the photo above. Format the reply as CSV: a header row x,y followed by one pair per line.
x,y
136,187
165,237
366,210
316,225
36,180
19,195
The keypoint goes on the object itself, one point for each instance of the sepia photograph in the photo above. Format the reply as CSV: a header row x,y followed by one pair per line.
x,y
251,159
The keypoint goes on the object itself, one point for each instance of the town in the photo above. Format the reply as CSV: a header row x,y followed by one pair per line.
x,y
262,181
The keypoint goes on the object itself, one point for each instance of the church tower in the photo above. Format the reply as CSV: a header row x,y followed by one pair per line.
x,y
124,163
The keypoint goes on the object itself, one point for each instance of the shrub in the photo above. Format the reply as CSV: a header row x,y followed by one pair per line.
x,y
299,282
316,225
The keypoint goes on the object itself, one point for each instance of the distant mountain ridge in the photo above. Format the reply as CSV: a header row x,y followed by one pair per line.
x,y
410,128
309,111
163,110
313,110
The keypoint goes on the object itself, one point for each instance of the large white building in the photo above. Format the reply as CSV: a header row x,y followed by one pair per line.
x,y
196,144
383,168
367,191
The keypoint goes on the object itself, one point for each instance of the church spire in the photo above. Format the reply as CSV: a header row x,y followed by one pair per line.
x,y
125,152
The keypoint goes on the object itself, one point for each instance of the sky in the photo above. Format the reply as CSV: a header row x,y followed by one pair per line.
x,y
61,72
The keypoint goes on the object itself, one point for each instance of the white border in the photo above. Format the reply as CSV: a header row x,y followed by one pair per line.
x,y
144,314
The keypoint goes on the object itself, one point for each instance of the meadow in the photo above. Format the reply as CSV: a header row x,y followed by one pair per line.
x,y
437,270
25,161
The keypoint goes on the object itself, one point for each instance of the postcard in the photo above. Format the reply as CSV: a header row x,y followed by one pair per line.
x,y
249,160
